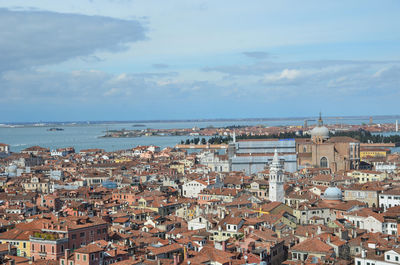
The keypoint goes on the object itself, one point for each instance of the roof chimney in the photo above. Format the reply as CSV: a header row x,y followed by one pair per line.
x,y
363,253
66,254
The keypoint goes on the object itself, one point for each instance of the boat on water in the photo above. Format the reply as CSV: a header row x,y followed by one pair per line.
x,y
55,129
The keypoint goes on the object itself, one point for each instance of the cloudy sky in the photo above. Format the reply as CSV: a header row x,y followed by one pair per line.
x,y
138,60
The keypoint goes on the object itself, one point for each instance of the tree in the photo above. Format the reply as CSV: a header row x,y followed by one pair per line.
x,y
203,141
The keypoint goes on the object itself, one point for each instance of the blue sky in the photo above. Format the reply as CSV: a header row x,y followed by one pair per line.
x,y
134,60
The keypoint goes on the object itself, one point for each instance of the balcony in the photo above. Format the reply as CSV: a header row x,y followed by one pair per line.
x,y
47,237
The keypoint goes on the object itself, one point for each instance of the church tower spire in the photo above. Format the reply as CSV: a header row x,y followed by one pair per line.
x,y
320,122
276,180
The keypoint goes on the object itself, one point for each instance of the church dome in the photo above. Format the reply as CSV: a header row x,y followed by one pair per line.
x,y
322,132
333,194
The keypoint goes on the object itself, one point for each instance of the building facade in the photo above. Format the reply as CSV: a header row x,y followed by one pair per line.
x,y
323,151
254,155
389,199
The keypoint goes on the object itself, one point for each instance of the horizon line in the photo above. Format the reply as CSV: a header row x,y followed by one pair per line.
x,y
204,119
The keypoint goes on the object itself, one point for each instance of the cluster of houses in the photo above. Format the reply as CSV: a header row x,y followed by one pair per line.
x,y
150,206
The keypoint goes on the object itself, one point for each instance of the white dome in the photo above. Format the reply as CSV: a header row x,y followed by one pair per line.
x,y
320,131
332,193
12,169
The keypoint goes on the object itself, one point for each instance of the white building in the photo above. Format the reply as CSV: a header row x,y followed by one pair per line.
x,y
390,226
389,258
198,223
58,153
192,188
389,199
254,155
4,148
366,219
276,180
216,162
385,167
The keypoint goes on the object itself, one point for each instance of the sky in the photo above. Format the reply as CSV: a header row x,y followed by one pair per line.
x,y
90,60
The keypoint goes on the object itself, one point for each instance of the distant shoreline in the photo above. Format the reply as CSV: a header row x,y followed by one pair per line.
x,y
69,123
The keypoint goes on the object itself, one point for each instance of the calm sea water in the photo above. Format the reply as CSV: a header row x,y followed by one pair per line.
x,y
84,136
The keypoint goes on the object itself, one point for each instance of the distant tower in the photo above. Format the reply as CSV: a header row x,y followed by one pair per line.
x,y
370,120
320,122
397,125
276,180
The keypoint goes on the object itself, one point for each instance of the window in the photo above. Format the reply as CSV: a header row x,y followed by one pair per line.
x,y
73,236
98,231
358,262
388,257
91,256
78,256
323,162
82,234
84,257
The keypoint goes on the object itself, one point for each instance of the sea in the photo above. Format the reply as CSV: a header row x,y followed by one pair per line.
x,y
85,135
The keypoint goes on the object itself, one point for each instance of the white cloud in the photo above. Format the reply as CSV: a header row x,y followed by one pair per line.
x,y
379,73
290,74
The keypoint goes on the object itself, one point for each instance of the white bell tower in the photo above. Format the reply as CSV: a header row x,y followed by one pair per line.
x,y
276,180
